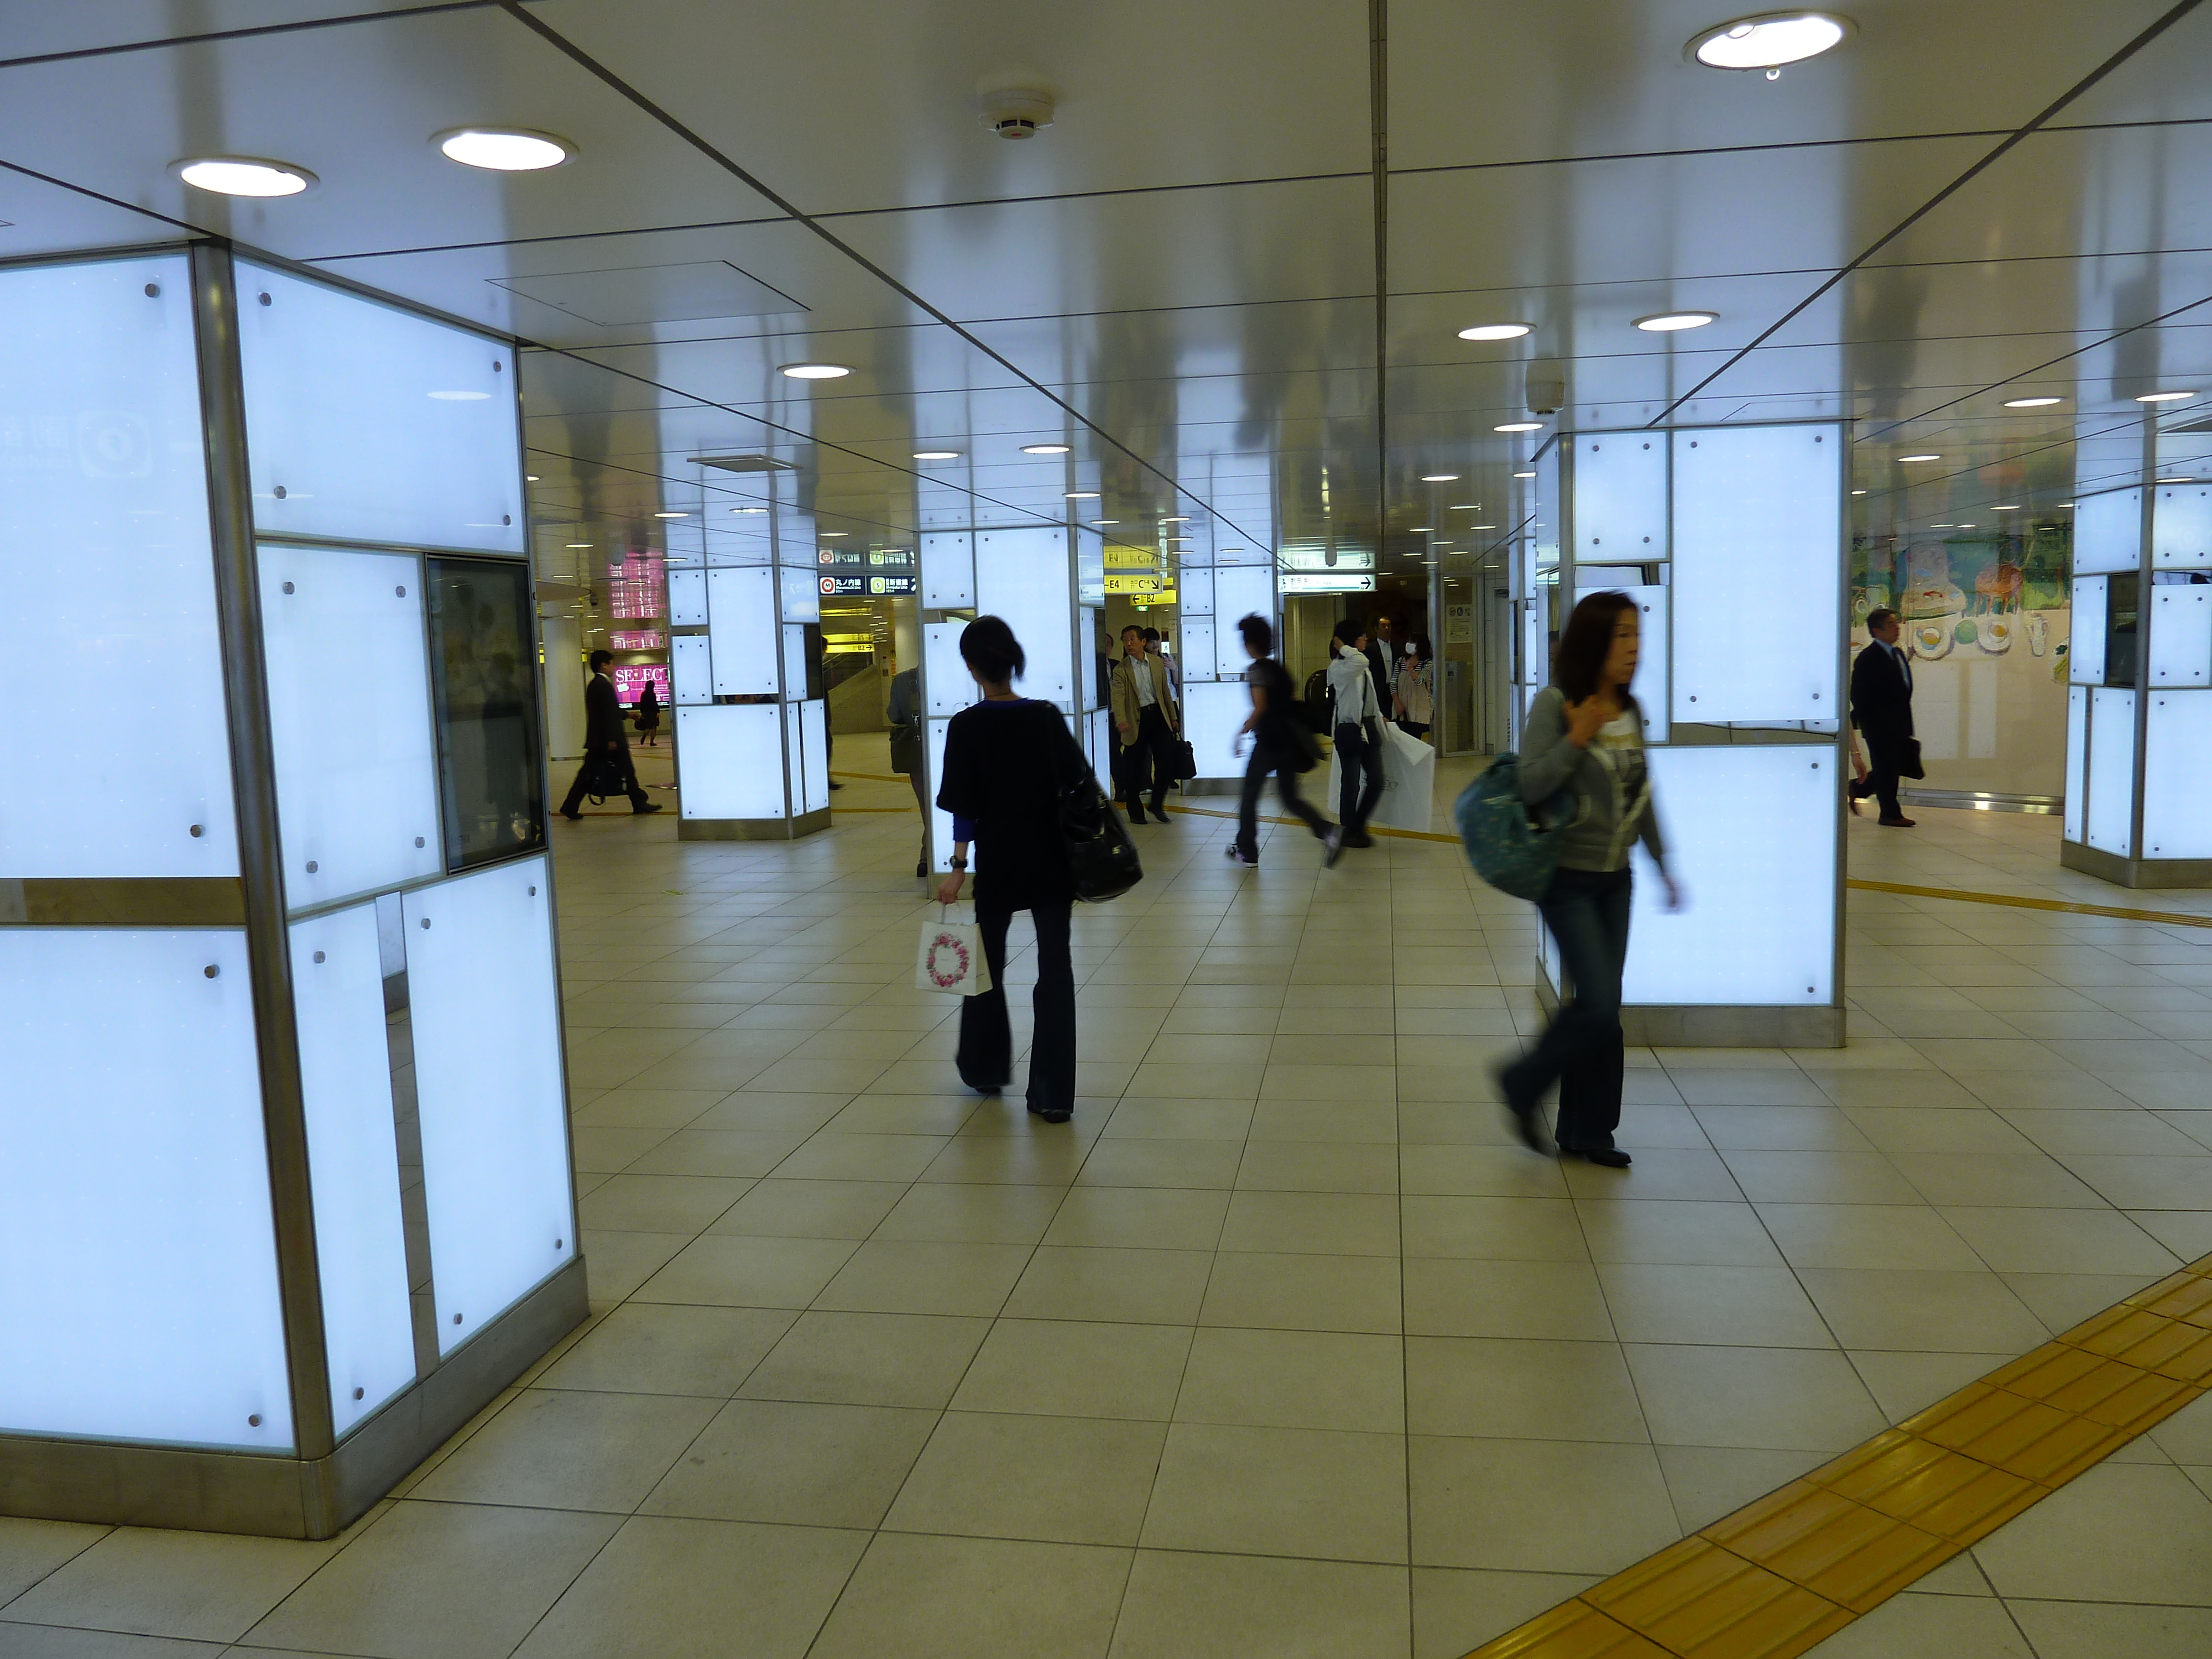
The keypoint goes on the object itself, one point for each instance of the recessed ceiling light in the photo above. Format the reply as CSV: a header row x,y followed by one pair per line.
x,y
2163,397
1423,529
1100,524
1082,494
1859,492
1920,458
242,175
1440,477
1482,526
814,371
2173,481
503,149
1673,322
1465,507
671,515
530,478
1045,449
1496,330
1768,40
828,533
2015,507
748,509
1520,426
1524,474
937,454
1175,520
579,543
2032,403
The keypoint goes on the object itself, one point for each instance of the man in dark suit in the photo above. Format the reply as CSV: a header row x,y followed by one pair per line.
x,y
1881,708
606,746
1383,650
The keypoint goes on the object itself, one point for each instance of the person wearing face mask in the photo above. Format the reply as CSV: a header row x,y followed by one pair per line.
x,y
1585,733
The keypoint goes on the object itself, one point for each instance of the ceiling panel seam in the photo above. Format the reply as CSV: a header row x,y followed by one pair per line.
x,y
251,32
2018,136
1378,118
600,72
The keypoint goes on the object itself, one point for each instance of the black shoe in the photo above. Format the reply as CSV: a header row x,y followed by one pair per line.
x,y
987,1088
1051,1113
1528,1115
834,784
645,807
1359,838
573,817
1898,822
1134,814
1611,1157
922,870
1160,811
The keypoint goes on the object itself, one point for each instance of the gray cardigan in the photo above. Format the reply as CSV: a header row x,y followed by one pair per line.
x,y
1596,839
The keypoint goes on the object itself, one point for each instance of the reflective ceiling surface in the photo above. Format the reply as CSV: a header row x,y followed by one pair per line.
x,y
1182,278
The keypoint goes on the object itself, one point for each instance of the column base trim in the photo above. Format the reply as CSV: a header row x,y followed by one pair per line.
x,y
2123,871
135,1486
790,828
1715,1025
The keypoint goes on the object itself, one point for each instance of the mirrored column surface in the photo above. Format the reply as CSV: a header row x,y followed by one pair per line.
x,y
285,1190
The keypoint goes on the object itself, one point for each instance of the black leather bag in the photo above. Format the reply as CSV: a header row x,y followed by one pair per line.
x,y
1102,860
1908,758
906,747
1184,763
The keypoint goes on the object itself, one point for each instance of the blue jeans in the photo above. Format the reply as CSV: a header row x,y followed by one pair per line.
x,y
1588,914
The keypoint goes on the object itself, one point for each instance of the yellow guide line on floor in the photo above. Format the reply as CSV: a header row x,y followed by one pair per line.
x,y
1785,1573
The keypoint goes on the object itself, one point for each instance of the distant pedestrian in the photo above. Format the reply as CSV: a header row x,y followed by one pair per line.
x,y
1358,736
648,716
1881,708
607,767
907,755
1146,715
1585,733
1277,746
1383,650
1007,760
1413,693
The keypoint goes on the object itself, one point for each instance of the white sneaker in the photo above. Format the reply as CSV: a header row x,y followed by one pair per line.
x,y
1237,857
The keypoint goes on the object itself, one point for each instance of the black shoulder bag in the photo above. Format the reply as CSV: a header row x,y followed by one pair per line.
x,y
1102,860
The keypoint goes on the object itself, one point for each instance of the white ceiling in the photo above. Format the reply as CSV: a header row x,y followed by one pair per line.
x,y
1179,278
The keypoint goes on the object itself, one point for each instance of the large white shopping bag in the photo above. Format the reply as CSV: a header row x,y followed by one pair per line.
x,y
1409,782
950,956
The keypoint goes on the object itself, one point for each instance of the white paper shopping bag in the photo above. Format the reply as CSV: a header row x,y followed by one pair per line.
x,y
951,957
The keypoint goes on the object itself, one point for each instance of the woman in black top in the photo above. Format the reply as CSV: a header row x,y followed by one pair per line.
x,y
648,713
1007,760
1275,747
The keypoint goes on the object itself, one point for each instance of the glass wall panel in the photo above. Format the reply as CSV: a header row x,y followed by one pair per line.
x,y
345,1070
1759,926
730,757
691,668
2112,770
1213,712
1239,591
368,423
486,706
2181,528
1022,576
349,713
948,570
2177,781
1758,512
1620,497
2181,634
138,1297
2077,760
951,687
493,1112
2085,658
104,552
2107,533
687,599
741,606
814,753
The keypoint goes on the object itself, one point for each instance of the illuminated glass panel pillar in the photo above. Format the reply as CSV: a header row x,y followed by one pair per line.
x,y
1702,526
299,625
2139,713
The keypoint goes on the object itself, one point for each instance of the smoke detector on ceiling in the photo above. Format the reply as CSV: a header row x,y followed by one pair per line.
x,y
1016,112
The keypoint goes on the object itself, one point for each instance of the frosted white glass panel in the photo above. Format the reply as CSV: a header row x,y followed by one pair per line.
x,y
1022,576
948,569
794,754
1760,926
2085,655
1090,630
1650,685
360,1245
2180,636
951,687
2108,532
2177,777
1621,495
1097,733
814,733
123,767
349,715
1200,641
1194,591
1757,511
1212,712
2077,757
941,821
802,593
1598,578
138,1294
1239,591
1090,567
366,422
730,755
2181,528
691,668
482,1001
2112,770
687,599
741,608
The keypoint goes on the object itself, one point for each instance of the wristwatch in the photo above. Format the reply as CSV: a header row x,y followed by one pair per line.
x,y
955,864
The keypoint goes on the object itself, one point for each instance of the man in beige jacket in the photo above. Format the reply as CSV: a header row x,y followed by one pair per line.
x,y
1145,716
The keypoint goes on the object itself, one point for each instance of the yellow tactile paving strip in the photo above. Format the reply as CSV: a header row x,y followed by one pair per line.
x,y
1782,1575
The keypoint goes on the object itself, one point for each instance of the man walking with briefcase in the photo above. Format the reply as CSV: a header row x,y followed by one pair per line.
x,y
1881,708
607,767
1145,714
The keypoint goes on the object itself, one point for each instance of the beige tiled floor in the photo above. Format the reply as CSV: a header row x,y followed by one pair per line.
x,y
1281,1347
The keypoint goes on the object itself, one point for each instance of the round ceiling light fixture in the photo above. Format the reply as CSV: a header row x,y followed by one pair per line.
x,y
1082,494
504,149
1046,449
243,175
671,515
1920,458
813,371
1422,529
1768,40
2032,403
1497,331
1673,322
829,533
2163,397
937,454
1519,426
1440,477
1524,474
